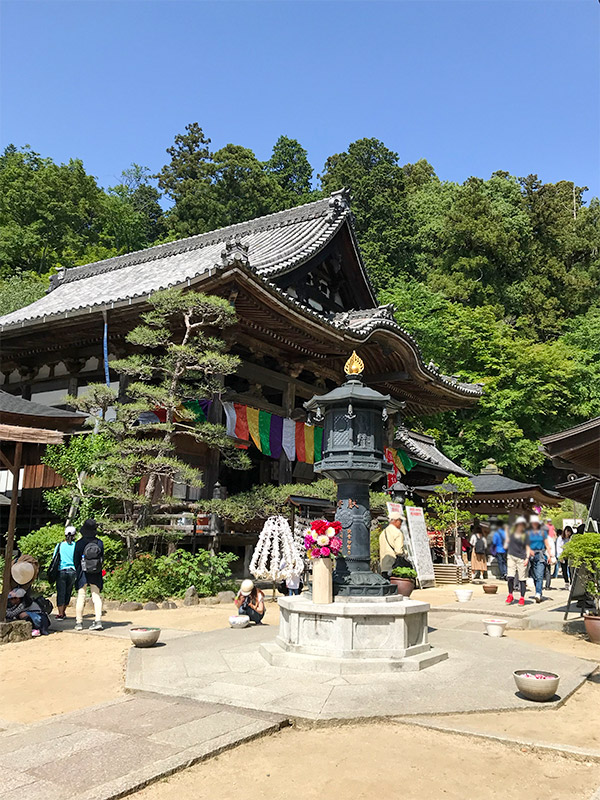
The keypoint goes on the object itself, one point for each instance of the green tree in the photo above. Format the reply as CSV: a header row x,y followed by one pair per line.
x,y
21,289
443,510
49,213
290,167
379,203
179,356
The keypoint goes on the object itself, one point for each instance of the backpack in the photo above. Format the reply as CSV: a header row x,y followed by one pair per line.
x,y
480,546
44,604
91,560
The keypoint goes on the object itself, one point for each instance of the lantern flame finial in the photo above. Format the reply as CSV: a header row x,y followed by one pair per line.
x,y
354,365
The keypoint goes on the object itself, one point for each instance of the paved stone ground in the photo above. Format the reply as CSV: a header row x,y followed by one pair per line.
x,y
547,615
118,747
225,666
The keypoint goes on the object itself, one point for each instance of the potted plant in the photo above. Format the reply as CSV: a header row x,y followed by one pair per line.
x,y
404,578
583,552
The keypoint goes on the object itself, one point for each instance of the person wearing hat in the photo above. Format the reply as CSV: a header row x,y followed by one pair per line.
x,y
391,543
517,560
88,557
66,575
541,553
251,601
21,606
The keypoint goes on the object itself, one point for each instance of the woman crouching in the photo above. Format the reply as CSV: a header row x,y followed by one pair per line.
x,y
251,601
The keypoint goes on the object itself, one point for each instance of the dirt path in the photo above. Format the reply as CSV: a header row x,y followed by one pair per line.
x,y
377,760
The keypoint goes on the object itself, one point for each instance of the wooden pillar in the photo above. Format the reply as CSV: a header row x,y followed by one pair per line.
x,y
15,468
285,465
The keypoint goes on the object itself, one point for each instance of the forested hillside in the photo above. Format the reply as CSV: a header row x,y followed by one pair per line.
x,y
498,278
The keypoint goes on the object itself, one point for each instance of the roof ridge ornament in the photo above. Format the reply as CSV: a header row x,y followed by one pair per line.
x,y
339,201
235,253
355,366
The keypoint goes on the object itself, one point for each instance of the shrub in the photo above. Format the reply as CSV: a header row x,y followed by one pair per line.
x,y
583,551
148,577
404,572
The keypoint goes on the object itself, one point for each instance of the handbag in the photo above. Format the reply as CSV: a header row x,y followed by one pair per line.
x,y
53,569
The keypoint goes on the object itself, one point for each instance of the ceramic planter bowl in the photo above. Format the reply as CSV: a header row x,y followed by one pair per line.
x,y
405,585
490,588
239,620
495,627
592,627
540,688
144,637
463,595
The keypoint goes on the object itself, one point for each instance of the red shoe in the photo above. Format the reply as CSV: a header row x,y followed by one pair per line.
x,y
521,601
509,599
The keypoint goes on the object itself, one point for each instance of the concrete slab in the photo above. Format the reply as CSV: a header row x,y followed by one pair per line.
x,y
115,748
278,689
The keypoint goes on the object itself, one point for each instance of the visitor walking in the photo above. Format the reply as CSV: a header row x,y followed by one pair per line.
x,y
251,601
64,553
562,537
479,554
88,558
499,545
517,560
540,548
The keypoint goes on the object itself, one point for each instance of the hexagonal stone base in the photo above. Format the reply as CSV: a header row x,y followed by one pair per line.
x,y
353,635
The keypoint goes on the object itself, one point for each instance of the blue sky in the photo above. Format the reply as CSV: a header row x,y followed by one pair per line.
x,y
471,86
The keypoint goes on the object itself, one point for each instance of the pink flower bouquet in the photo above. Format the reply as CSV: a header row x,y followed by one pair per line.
x,y
322,539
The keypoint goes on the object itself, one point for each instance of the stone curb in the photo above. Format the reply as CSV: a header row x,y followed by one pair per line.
x,y
574,753
134,781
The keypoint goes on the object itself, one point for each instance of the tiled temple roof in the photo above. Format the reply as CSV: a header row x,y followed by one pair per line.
x,y
277,243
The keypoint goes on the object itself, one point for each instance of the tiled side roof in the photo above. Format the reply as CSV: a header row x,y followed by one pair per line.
x,y
276,243
9,404
424,449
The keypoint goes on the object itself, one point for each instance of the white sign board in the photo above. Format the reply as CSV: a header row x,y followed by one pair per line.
x,y
419,545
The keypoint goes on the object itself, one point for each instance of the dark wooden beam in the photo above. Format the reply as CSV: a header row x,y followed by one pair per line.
x,y
10,533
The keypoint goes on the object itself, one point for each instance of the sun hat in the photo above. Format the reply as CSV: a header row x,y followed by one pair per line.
x,y
520,521
533,519
22,572
395,515
89,528
246,587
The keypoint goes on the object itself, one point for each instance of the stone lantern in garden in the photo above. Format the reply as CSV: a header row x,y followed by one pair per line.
x,y
355,419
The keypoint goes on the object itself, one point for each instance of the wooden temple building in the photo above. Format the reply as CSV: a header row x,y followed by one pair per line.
x,y
576,452
303,301
495,493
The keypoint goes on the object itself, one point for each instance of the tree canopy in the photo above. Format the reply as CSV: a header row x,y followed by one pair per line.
x,y
498,278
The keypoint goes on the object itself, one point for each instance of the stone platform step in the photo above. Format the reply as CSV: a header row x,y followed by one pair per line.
x,y
276,656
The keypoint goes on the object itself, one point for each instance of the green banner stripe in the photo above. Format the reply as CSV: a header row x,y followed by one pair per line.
x,y
318,443
406,460
196,409
264,431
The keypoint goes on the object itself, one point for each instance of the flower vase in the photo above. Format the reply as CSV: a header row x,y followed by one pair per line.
x,y
322,583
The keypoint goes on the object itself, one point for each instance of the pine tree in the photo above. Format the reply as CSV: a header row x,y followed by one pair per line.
x,y
178,358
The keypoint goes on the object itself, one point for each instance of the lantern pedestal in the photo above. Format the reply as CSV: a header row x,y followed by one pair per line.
x,y
351,635
322,587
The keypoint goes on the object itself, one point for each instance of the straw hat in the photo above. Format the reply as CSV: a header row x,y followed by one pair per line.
x,y
22,572
246,587
395,515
